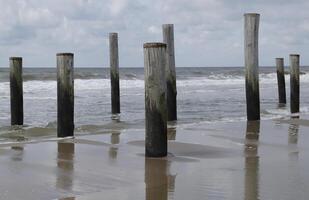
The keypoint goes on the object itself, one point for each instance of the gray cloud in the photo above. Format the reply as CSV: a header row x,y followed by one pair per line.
x,y
207,32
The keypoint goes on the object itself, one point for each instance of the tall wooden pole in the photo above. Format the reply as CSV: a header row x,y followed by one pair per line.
x,y
114,72
16,87
168,39
281,80
294,82
252,66
155,99
65,90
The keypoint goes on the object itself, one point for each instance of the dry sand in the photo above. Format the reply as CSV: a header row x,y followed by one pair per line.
x,y
269,160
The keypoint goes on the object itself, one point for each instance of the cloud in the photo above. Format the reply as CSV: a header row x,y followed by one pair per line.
x,y
207,32
154,29
117,6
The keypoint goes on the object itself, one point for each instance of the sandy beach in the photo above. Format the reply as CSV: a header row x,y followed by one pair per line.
x,y
230,160
154,100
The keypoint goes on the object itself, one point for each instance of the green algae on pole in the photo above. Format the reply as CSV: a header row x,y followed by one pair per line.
x,y
281,81
16,87
114,72
171,92
294,83
155,99
65,93
252,65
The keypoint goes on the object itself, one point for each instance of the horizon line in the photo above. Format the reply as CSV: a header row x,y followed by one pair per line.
x,y
104,67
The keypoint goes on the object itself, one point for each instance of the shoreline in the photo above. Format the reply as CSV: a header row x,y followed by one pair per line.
x,y
203,161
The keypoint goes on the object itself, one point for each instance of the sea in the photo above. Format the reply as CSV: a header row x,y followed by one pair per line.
x,y
205,95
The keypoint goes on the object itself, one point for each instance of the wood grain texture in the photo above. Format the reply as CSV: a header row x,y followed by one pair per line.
x,y
168,39
252,65
65,94
114,73
16,91
155,99
294,83
281,80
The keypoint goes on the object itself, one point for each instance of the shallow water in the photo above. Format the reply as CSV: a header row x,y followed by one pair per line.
x,y
205,95
213,152
211,161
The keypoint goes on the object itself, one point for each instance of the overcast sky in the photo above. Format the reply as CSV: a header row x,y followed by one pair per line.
x,y
207,32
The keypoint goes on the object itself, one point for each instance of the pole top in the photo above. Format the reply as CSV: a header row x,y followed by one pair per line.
x,y
113,33
154,45
165,25
252,14
16,58
65,54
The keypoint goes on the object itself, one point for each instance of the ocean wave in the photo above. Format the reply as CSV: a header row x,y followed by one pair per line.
x,y
94,84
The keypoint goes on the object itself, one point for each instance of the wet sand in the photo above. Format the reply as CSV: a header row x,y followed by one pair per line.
x,y
266,160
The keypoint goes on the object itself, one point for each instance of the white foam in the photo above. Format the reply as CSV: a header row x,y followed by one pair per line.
x,y
98,84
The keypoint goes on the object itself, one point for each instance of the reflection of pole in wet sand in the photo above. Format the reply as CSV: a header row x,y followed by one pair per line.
x,y
252,161
293,133
171,133
115,139
171,179
295,178
65,164
253,130
19,153
293,140
157,179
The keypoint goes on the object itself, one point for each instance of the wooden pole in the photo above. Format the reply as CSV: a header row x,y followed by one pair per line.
x,y
168,39
252,66
16,87
294,82
155,99
65,90
281,80
114,72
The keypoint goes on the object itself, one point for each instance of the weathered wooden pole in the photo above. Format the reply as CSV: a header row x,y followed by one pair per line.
x,y
114,72
252,66
65,90
281,80
171,92
155,99
294,82
16,87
